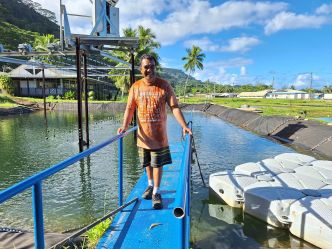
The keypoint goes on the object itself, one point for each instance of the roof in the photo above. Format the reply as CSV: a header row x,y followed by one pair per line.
x,y
289,91
254,94
32,72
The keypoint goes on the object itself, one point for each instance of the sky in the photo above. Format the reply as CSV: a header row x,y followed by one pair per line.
x,y
284,43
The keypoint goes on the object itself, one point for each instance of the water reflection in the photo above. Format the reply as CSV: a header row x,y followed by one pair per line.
x,y
88,189
227,227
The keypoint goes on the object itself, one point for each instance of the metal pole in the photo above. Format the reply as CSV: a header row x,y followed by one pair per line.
x,y
86,99
44,97
37,206
132,78
61,28
79,93
120,170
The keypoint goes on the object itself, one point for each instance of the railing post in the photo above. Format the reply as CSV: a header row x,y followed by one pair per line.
x,y
120,169
37,207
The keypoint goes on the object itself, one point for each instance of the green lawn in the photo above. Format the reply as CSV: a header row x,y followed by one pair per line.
x,y
6,102
313,108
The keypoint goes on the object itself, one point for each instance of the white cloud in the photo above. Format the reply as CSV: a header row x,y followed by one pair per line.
x,y
217,71
303,80
324,9
238,44
243,71
205,44
199,17
288,20
230,63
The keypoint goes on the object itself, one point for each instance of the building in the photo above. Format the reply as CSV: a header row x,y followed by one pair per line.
x,y
224,95
28,82
327,96
258,94
288,94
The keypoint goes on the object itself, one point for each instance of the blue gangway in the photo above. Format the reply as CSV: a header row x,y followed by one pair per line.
x,y
136,224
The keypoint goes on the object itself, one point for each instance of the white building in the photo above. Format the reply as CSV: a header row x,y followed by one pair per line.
x,y
288,94
327,96
259,94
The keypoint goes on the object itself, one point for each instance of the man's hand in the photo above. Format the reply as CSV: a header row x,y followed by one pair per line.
x,y
121,130
186,130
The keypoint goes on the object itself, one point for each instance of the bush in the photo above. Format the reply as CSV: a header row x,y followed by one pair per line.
x,y
91,95
50,98
70,95
6,84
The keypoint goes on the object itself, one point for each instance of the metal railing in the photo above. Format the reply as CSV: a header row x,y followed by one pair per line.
x,y
35,182
182,199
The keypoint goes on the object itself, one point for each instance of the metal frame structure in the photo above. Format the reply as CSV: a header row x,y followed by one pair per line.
x,y
35,182
81,46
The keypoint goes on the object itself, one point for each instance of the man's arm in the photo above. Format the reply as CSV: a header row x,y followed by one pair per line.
x,y
129,113
179,117
173,104
128,116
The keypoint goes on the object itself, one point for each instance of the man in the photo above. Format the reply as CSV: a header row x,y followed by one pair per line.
x,y
150,95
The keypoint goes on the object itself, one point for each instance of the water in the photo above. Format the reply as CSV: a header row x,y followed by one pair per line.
x,y
85,191
328,120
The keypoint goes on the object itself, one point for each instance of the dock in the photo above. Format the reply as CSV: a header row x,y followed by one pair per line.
x,y
136,224
140,226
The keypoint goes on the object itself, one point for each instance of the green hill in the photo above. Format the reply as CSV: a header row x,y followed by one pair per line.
x,y
22,20
176,77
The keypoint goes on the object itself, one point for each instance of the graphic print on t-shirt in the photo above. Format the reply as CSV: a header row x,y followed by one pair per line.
x,y
150,104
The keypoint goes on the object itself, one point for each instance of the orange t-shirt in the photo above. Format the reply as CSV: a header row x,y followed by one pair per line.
x,y
150,101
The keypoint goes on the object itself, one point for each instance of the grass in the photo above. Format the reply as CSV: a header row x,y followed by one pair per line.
x,y
270,107
95,233
7,102
40,100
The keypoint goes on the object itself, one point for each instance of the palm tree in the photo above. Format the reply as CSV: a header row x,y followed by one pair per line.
x,y
41,42
327,89
194,58
146,45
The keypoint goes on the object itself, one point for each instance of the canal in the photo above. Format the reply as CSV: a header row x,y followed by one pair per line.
x,y
85,191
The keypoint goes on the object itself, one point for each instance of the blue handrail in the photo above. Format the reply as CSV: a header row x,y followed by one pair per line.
x,y
36,183
182,199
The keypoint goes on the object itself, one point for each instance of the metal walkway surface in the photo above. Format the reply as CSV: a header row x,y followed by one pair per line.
x,y
140,226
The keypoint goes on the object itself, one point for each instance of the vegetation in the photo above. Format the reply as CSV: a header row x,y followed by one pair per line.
x,y
6,84
193,59
95,233
283,107
28,15
40,43
6,102
11,35
147,45
71,95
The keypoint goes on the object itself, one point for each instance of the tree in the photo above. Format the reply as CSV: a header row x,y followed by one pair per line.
x,y
193,59
41,42
327,89
6,84
146,45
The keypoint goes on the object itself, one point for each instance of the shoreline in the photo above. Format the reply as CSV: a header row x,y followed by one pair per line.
x,y
305,134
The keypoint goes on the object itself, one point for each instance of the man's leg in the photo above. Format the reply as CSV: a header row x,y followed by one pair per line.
x,y
157,175
157,202
149,173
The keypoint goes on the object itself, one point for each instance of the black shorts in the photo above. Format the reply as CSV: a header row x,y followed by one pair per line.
x,y
155,158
